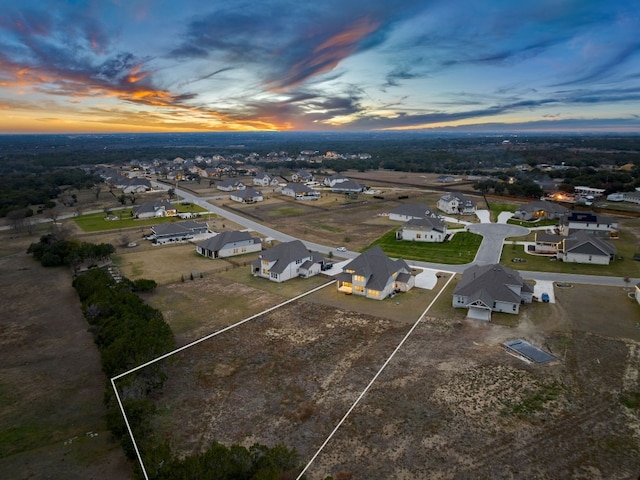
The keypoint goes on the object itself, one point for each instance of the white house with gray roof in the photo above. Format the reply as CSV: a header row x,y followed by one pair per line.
x,y
374,275
300,191
583,247
428,229
228,244
410,211
455,203
154,210
285,261
540,209
491,288
600,225
177,231
247,195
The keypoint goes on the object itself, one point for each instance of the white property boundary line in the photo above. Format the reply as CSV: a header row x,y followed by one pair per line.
x,y
366,389
184,347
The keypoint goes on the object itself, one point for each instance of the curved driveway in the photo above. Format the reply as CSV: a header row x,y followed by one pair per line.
x,y
493,236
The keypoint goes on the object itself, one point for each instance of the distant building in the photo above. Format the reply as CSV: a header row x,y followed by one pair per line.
x,y
428,229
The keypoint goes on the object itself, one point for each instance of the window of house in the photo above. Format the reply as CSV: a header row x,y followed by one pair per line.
x,y
418,235
358,278
274,275
514,307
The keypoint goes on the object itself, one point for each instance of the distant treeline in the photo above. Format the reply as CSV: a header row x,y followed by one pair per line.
x,y
21,189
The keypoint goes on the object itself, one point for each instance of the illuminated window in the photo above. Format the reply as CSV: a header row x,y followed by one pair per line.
x,y
374,293
358,278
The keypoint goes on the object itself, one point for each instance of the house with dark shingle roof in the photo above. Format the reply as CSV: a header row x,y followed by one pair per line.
x,y
300,191
154,209
410,211
583,247
540,209
228,244
284,262
428,229
177,231
248,195
374,275
547,243
491,288
230,185
600,225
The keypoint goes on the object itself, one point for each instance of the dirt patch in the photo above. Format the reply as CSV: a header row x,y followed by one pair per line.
x,y
450,404
51,383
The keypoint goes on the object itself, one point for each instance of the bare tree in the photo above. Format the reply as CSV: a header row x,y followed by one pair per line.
x,y
96,190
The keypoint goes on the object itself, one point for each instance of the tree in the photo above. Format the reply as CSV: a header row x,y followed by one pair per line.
x,y
96,191
171,193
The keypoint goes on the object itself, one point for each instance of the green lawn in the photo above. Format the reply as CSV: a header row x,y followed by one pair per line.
x,y
460,249
95,222
625,248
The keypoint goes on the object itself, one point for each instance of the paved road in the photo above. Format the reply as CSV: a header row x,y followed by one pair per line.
x,y
489,251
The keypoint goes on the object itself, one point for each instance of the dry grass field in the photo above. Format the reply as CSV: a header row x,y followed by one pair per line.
x,y
51,384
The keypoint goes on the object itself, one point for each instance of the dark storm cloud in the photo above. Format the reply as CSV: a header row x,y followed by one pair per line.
x,y
291,41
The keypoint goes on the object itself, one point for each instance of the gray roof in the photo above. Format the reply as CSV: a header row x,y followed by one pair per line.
x,y
585,243
414,210
216,243
549,207
376,266
299,188
490,282
188,226
429,223
347,186
247,193
461,198
549,237
152,206
284,254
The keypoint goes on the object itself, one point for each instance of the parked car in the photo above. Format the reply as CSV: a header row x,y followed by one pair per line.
x,y
545,297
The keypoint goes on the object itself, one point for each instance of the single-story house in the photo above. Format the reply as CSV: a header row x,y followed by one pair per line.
x,y
177,231
428,229
300,191
491,288
349,186
156,209
374,275
600,225
584,247
411,211
284,261
247,195
230,185
455,203
540,209
227,244
547,243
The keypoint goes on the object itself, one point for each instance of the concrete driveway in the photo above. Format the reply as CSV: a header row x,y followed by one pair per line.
x,y
493,235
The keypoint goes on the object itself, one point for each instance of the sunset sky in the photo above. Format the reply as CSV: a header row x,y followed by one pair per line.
x,y
235,65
